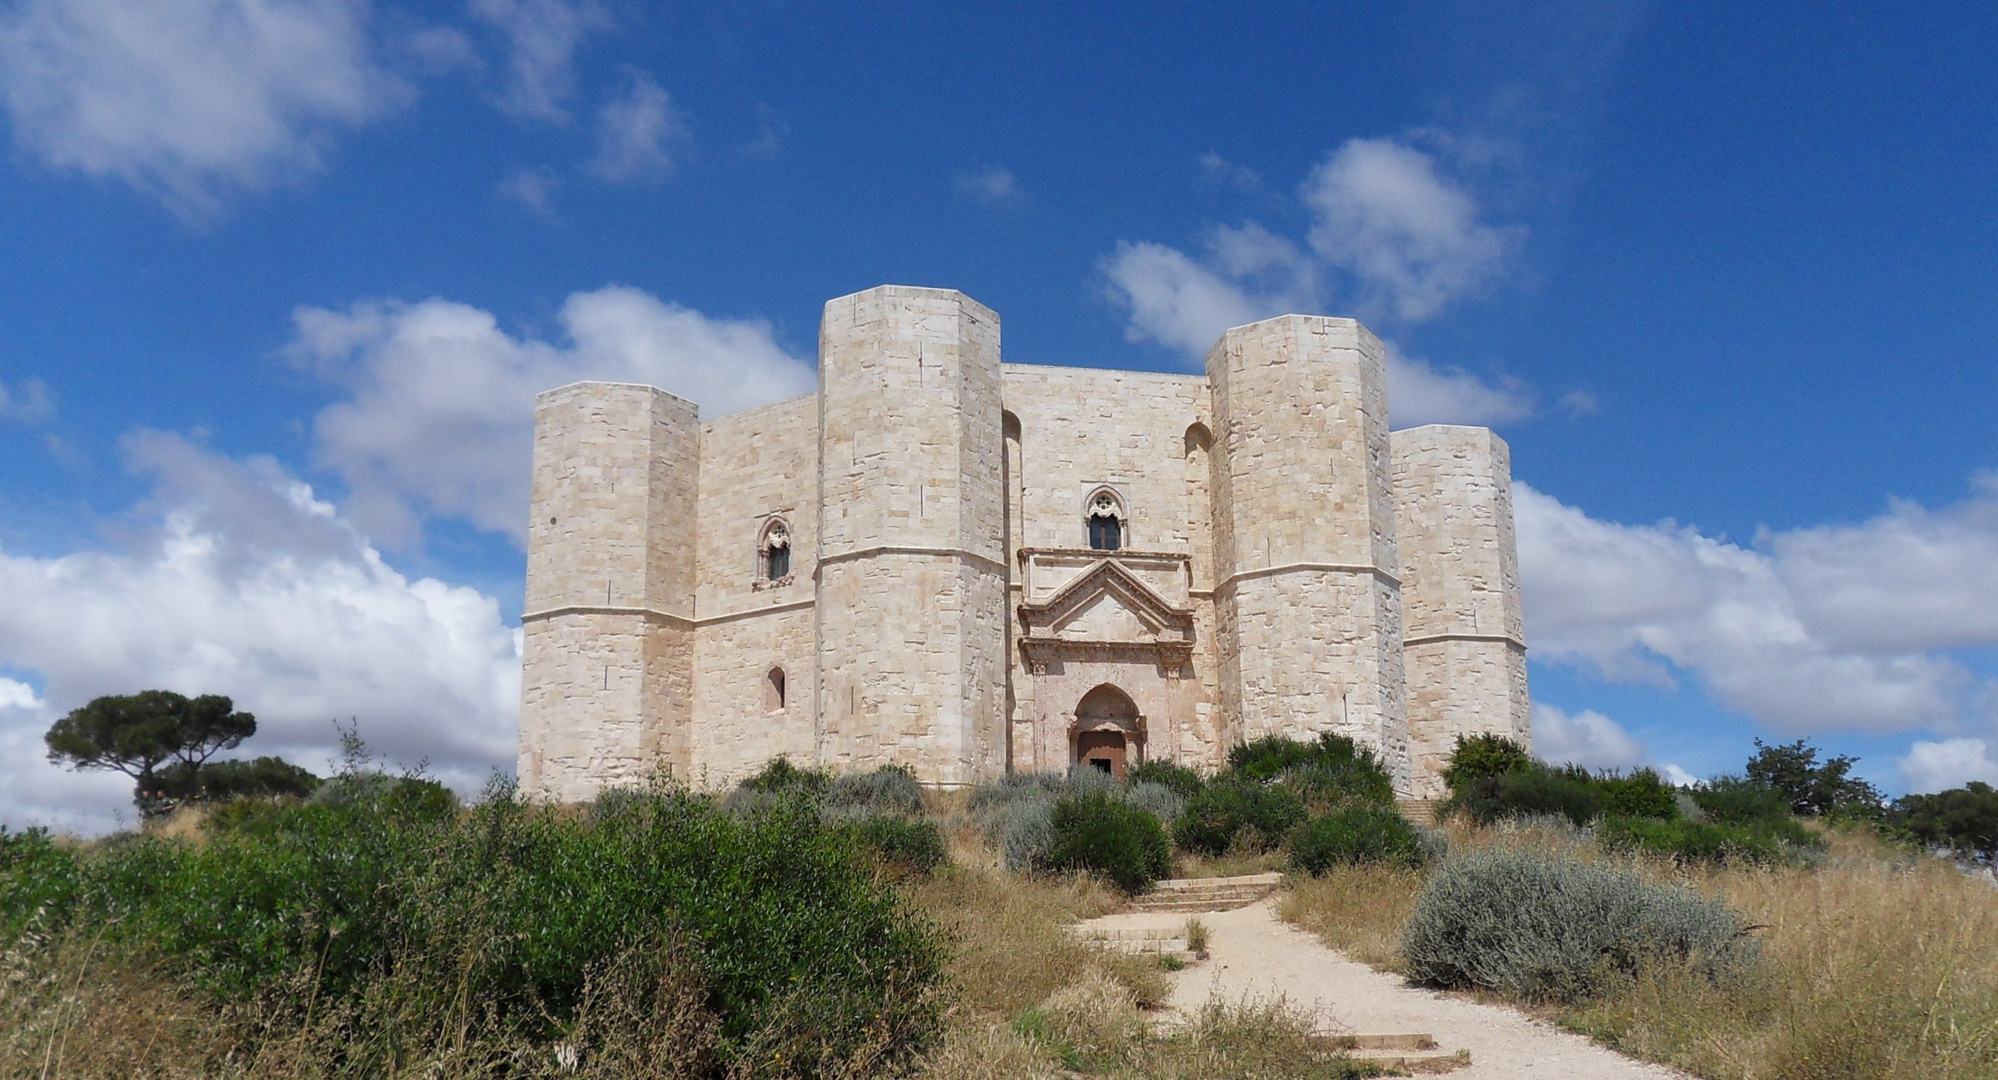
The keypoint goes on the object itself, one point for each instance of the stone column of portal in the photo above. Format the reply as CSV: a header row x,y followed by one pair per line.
x,y
1306,593
1464,637
608,631
911,574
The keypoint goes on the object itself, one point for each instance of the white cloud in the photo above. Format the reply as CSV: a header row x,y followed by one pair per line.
x,y
1406,242
29,403
993,185
238,580
637,133
1412,239
1586,738
1935,766
542,39
532,188
440,417
1186,304
1216,169
190,100
1813,630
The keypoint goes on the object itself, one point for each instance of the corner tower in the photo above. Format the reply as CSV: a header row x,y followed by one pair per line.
x,y
607,629
911,594
1464,636
1307,593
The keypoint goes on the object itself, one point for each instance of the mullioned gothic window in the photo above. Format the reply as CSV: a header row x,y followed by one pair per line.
x,y
773,552
1105,519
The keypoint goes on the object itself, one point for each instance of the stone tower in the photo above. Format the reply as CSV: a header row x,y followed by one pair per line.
x,y
911,596
608,630
1465,638
1307,591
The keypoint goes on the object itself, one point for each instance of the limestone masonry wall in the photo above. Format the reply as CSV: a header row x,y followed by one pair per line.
x,y
1283,566
1310,621
1466,634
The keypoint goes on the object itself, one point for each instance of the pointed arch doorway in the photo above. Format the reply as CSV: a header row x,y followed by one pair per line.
x,y
1109,732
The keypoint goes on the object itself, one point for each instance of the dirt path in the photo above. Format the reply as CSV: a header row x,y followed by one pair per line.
x,y
1256,955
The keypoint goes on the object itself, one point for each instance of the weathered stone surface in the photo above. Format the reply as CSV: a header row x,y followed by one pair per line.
x,y
943,608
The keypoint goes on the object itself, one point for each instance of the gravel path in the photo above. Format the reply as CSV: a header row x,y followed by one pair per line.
x,y
1256,955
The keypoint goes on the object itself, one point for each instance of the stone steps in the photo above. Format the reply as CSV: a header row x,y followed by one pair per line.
x,y
1414,1053
1420,811
1207,894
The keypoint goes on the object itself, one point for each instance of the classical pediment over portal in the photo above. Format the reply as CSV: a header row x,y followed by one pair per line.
x,y
1107,609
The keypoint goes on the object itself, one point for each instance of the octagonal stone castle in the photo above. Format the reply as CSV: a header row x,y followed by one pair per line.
x,y
967,567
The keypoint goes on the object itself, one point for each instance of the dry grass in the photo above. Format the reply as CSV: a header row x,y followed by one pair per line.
x,y
1233,864
1358,910
1034,1000
1874,964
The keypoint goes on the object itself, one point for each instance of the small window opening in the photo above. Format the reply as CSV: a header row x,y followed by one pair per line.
x,y
1106,530
773,690
775,553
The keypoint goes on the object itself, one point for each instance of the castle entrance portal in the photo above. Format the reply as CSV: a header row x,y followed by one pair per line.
x,y
1108,730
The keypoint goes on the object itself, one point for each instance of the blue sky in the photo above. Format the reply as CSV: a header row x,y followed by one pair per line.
x,y
281,277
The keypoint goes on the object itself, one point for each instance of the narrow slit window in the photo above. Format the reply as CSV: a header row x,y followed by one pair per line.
x,y
773,691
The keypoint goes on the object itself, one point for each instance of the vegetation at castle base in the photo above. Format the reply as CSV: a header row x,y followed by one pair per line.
x,y
758,944
881,809
1317,803
1540,927
1097,832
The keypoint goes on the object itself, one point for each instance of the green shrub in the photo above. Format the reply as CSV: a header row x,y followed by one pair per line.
x,y
1698,841
1567,791
1232,811
1642,793
1540,928
38,878
1356,833
890,788
1097,832
779,775
380,903
1481,756
1963,820
911,843
1735,800
1184,782
220,781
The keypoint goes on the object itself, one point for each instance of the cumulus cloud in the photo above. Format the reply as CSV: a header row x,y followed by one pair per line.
x,y
234,578
993,185
1831,628
1950,763
1410,238
29,403
440,414
190,100
1586,738
636,133
542,38
1389,235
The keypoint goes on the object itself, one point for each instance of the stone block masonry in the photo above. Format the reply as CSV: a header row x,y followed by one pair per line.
x,y
963,567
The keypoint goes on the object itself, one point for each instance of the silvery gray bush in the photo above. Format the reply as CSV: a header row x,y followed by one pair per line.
x,y
1544,928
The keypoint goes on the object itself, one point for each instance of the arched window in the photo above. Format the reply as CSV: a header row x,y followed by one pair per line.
x,y
1105,520
773,691
773,552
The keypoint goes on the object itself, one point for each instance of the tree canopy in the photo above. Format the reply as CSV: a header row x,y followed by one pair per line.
x,y
136,734
1814,789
